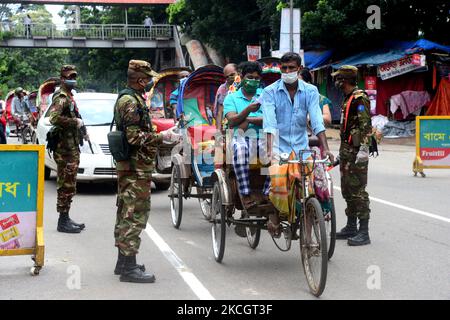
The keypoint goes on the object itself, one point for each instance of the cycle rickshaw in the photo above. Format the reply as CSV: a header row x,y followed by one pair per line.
x,y
45,91
29,125
158,98
16,125
194,164
304,221
158,101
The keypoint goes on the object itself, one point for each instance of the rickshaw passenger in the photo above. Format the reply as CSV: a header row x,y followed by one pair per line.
x,y
245,117
230,72
182,76
286,105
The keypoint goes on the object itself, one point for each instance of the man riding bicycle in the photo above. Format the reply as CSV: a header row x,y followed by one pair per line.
x,y
18,107
286,105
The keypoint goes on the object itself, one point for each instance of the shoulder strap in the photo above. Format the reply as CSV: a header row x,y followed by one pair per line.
x,y
349,103
122,93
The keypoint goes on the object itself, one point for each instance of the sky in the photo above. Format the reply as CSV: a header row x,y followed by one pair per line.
x,y
54,9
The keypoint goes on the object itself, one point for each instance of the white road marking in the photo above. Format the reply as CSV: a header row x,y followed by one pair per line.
x,y
399,206
196,286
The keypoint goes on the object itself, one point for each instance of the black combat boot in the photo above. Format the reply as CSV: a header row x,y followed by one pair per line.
x,y
65,226
79,225
362,238
131,272
350,230
121,263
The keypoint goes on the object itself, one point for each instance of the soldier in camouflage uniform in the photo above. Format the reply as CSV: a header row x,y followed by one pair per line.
x,y
356,130
134,175
65,118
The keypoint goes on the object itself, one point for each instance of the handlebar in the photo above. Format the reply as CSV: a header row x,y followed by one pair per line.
x,y
326,160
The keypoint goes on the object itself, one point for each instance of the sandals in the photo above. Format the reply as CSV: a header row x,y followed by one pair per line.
x,y
248,202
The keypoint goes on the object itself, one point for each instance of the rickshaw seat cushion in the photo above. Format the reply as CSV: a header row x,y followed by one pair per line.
x,y
162,124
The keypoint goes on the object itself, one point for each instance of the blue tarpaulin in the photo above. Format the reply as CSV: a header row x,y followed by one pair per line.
x,y
394,50
316,59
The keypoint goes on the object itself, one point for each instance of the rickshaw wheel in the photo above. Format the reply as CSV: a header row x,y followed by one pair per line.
x,y
218,227
26,135
284,241
253,236
176,199
205,205
313,246
330,226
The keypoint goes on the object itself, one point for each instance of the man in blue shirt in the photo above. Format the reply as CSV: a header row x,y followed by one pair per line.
x,y
245,117
286,105
182,76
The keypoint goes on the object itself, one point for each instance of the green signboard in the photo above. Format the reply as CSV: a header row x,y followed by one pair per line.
x,y
432,143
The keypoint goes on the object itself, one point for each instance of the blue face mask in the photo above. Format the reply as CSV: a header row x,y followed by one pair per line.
x,y
71,83
149,86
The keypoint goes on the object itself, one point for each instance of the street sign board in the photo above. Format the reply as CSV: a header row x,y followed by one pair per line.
x,y
21,201
432,143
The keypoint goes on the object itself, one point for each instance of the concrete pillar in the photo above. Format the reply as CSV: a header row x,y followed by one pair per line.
x,y
197,54
216,58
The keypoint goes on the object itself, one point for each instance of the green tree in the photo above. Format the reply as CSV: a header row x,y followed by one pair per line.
x,y
27,67
227,25
230,25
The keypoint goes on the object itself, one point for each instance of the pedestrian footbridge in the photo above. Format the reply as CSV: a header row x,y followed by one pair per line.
x,y
88,36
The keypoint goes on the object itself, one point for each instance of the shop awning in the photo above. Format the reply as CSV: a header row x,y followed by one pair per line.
x,y
317,59
374,58
394,50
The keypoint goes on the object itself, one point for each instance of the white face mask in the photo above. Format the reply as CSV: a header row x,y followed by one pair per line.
x,y
289,78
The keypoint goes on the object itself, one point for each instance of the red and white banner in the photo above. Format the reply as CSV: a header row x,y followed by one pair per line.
x,y
402,66
253,53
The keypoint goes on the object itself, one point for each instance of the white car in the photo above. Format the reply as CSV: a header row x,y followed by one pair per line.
x,y
96,109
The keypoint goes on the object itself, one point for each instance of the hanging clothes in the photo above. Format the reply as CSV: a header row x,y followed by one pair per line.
x,y
388,88
409,102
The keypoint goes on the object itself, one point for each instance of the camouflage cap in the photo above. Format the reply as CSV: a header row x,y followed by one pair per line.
x,y
141,66
67,70
346,72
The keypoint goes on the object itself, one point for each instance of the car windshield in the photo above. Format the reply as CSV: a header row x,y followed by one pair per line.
x,y
94,111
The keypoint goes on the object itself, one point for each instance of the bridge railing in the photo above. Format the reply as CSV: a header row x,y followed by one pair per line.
x,y
88,31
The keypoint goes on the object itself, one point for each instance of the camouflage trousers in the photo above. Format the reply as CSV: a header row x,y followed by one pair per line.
x,y
133,210
66,181
354,183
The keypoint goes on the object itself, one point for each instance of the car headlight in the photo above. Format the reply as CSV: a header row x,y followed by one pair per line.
x,y
85,148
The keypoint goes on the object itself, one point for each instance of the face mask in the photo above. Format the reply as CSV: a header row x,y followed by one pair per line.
x,y
71,83
339,84
251,85
289,78
230,79
148,86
